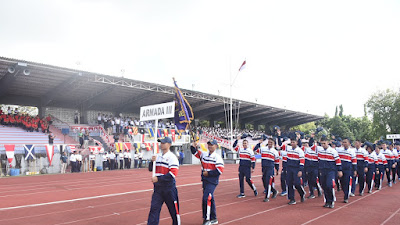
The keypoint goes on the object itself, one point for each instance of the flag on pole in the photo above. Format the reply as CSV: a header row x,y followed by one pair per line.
x,y
72,148
127,146
159,133
183,112
119,146
50,153
9,153
135,130
173,135
243,66
29,152
151,131
148,146
165,132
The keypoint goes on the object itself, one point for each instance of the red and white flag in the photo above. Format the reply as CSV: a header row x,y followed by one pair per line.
x,y
243,66
72,147
50,153
9,153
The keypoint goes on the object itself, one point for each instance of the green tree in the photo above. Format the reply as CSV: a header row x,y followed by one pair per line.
x,y
307,128
384,107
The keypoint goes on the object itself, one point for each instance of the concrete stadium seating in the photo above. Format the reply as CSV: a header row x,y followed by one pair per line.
x,y
16,135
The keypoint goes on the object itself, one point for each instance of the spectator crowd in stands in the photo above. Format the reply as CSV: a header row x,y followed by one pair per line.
x,y
14,118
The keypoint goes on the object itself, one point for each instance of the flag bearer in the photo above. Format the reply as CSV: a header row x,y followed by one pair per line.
x,y
212,167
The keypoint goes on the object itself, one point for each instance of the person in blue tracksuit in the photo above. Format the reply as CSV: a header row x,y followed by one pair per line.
x,y
311,167
397,148
372,166
295,166
269,162
390,160
247,164
330,166
382,167
349,165
165,191
212,167
362,167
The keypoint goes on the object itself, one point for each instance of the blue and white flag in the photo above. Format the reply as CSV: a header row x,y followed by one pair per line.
x,y
29,152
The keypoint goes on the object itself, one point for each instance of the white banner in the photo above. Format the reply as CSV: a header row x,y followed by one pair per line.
x,y
159,111
392,136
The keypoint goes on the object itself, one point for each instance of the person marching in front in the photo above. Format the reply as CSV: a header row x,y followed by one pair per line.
x,y
165,191
212,168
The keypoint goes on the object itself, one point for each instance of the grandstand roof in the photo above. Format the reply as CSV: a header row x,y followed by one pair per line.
x,y
52,86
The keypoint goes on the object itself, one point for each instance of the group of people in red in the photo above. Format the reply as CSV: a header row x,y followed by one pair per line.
x,y
29,123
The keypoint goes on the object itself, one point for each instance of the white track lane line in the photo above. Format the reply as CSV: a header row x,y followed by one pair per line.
x,y
390,217
101,196
348,204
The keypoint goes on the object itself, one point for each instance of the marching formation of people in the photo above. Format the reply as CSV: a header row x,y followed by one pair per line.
x,y
312,168
324,166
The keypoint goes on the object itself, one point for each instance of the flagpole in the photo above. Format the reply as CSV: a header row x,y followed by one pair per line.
x,y
231,109
155,148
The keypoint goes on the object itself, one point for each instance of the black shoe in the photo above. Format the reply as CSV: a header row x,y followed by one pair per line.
x,y
311,197
274,194
332,205
326,205
292,202
255,192
266,200
303,198
346,201
362,193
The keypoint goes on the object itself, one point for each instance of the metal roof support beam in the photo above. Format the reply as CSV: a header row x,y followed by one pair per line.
x,y
59,89
280,121
209,112
295,123
219,116
125,105
281,115
252,114
98,96
274,113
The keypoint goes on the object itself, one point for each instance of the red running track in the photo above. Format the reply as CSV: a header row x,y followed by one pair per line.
x,y
123,197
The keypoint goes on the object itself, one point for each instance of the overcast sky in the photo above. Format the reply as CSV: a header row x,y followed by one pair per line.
x,y
301,55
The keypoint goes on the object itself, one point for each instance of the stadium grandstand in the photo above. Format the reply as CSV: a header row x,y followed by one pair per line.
x,y
75,99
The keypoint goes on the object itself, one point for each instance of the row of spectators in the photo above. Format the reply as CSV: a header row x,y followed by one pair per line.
x,y
226,133
14,118
119,123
